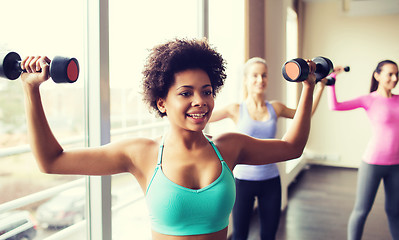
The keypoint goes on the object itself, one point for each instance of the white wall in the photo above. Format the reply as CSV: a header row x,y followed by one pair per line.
x,y
275,37
360,42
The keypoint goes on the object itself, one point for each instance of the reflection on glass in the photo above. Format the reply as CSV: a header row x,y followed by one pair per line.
x,y
51,28
226,33
135,27
18,224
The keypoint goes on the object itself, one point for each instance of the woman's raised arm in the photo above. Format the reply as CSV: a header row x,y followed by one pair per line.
x,y
50,156
256,151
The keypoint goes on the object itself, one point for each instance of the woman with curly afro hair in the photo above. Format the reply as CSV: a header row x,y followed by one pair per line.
x,y
186,177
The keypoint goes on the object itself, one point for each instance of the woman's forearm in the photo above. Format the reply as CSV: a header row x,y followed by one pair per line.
x,y
345,105
317,97
332,98
44,146
298,133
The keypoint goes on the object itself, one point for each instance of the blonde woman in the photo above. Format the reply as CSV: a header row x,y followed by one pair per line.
x,y
257,117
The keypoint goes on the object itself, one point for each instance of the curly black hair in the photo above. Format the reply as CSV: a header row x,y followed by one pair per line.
x,y
165,60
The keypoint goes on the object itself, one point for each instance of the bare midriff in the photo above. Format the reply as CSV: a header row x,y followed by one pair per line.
x,y
221,235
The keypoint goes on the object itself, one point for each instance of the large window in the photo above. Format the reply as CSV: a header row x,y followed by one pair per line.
x,y
49,28
57,206
135,27
226,33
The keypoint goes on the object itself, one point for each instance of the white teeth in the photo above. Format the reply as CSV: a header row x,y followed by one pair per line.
x,y
197,115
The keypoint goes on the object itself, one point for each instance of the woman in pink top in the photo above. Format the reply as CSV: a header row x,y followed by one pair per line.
x,y
381,158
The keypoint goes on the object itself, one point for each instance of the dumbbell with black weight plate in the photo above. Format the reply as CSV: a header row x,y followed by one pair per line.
x,y
297,70
331,79
62,69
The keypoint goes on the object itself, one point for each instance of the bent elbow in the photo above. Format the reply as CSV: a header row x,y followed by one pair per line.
x,y
332,105
297,151
333,108
45,169
46,166
294,149
49,163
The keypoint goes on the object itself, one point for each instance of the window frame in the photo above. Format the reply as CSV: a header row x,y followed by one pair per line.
x,y
98,198
96,69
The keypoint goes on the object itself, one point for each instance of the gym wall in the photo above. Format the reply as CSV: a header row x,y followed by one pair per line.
x,y
360,41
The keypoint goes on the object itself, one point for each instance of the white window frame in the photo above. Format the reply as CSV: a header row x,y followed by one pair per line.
x,y
98,194
98,132
99,213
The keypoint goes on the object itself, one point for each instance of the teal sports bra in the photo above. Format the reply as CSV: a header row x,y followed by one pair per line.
x,y
180,211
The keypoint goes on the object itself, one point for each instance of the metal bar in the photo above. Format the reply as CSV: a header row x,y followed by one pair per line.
x,y
35,197
98,198
203,21
26,148
67,232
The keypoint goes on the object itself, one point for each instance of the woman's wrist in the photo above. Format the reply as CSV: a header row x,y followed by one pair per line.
x,y
30,87
309,85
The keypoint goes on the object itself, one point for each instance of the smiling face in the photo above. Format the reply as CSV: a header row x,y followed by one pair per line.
x,y
388,77
256,78
190,101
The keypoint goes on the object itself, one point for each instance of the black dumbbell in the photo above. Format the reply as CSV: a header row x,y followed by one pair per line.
x,y
297,70
62,69
331,80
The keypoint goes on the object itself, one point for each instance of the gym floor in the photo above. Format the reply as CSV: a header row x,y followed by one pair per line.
x,y
320,202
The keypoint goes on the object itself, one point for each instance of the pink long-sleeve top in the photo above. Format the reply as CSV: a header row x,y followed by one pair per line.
x,y
383,113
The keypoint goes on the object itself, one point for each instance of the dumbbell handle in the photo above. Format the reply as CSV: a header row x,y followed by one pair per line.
x,y
18,68
333,76
330,80
66,71
298,69
62,69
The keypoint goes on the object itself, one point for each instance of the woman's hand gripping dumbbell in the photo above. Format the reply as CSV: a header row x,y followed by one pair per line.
x,y
298,69
60,69
330,79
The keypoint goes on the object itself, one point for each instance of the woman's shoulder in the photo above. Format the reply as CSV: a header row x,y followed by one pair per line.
x,y
278,107
142,151
140,141
138,146
234,107
276,103
229,145
233,111
229,139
